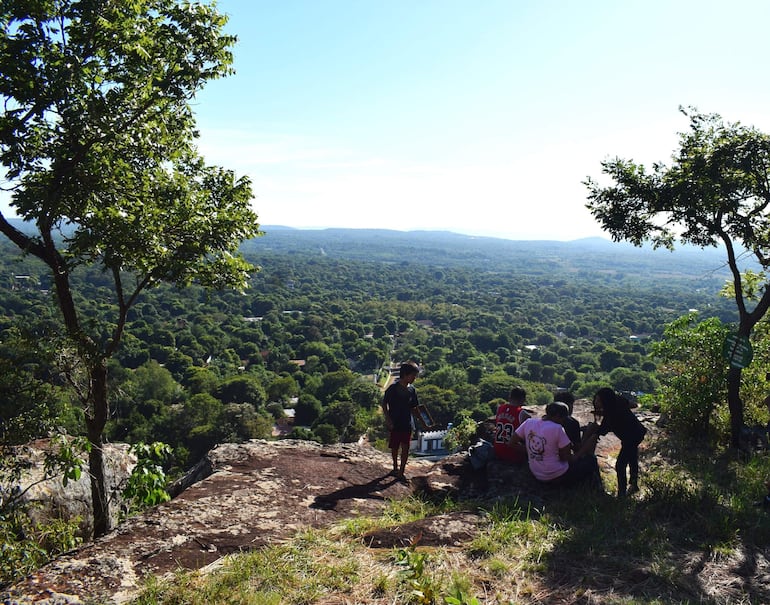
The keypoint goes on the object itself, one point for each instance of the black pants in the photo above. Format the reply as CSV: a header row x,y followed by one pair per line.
x,y
627,457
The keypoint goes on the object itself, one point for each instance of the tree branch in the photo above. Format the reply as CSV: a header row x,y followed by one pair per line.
x,y
737,285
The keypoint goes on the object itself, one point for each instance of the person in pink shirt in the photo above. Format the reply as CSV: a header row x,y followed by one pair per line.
x,y
549,450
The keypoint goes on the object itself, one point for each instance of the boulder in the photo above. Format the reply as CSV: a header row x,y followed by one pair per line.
x,y
51,499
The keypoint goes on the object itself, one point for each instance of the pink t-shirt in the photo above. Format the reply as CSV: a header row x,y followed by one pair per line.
x,y
544,439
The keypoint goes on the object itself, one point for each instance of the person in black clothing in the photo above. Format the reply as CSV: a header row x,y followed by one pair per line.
x,y
618,418
397,405
571,424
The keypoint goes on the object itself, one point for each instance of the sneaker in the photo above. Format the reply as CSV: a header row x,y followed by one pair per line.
x,y
632,490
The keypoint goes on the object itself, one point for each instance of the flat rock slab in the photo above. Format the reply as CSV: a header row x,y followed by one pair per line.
x,y
258,493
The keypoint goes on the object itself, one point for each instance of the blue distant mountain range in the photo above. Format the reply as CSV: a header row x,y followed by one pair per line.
x,y
445,248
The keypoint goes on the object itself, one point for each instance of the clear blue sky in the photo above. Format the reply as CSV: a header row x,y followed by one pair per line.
x,y
475,116
480,117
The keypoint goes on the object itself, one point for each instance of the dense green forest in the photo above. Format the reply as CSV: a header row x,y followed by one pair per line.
x,y
328,311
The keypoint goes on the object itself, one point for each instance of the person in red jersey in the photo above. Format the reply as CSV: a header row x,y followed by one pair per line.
x,y
507,419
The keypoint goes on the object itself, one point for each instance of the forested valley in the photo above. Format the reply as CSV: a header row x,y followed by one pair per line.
x,y
326,314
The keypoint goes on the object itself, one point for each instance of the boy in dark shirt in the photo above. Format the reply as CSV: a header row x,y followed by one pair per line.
x,y
571,425
397,405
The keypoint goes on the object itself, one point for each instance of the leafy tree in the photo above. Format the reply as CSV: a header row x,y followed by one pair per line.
x,y
303,433
326,433
609,359
200,380
177,363
569,377
282,389
275,409
242,389
30,405
534,370
365,395
715,192
373,357
200,424
307,410
474,374
693,374
132,353
152,381
497,386
96,138
623,379
442,403
341,415
755,379
240,421
336,385
447,377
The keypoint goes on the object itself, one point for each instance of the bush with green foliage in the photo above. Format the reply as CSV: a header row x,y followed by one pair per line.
x,y
147,483
693,376
26,546
462,435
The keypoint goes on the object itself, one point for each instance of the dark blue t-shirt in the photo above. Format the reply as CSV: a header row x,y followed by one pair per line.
x,y
400,400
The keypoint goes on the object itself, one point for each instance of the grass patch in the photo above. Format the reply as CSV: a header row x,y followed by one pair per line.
x,y
301,571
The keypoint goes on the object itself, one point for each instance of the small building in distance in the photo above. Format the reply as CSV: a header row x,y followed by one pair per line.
x,y
429,442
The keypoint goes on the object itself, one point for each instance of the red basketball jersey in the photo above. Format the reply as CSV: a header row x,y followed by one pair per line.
x,y
507,420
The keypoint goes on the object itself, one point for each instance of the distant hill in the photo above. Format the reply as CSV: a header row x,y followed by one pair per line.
x,y
443,249
536,257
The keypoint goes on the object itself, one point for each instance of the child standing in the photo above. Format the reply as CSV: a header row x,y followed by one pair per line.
x,y
397,405
618,418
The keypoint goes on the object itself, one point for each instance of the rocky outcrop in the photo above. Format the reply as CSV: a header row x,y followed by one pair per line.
x,y
257,493
50,498
245,496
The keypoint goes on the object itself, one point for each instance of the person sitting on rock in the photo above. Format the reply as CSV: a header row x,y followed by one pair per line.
x,y
507,419
549,449
571,424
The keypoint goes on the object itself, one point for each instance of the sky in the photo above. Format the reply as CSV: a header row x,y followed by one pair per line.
x,y
481,117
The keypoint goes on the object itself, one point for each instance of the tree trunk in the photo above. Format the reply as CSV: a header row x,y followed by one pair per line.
x,y
99,498
95,423
735,405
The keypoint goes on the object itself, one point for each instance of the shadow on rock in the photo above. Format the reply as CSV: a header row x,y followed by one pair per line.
x,y
372,489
